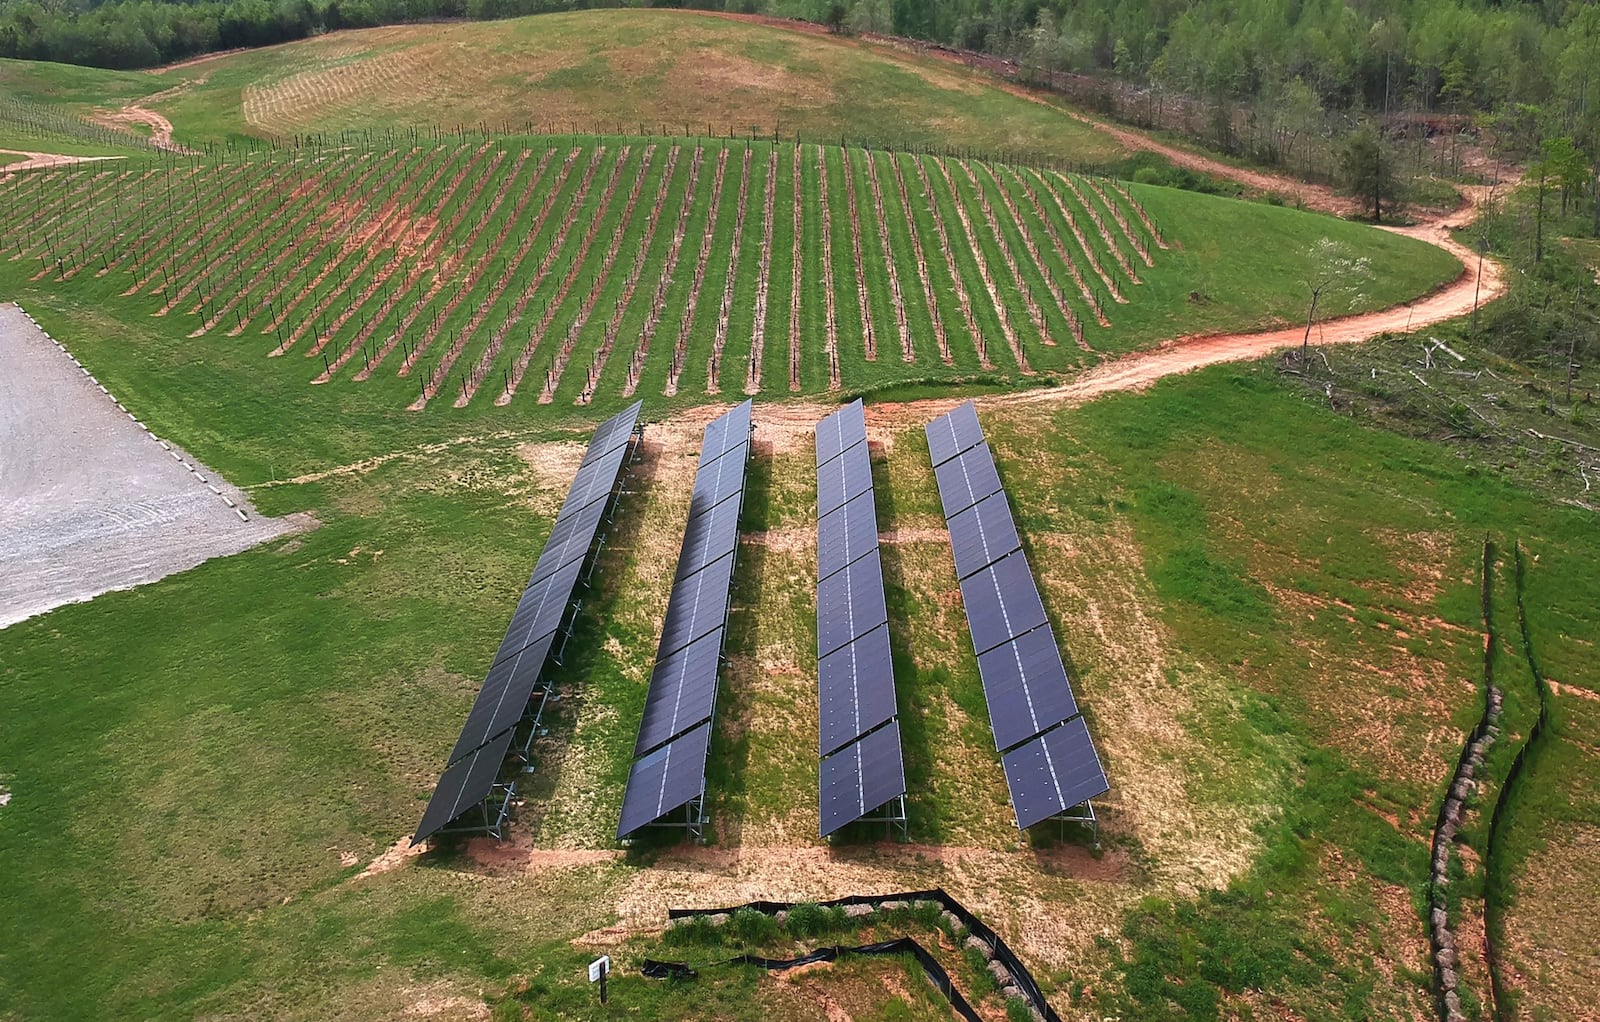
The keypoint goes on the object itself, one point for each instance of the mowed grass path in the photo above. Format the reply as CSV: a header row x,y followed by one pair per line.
x,y
512,280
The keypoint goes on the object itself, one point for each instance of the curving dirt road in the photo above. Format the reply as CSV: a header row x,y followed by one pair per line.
x,y
33,161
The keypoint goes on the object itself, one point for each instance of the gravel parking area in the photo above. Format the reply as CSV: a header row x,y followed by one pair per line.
x,y
89,501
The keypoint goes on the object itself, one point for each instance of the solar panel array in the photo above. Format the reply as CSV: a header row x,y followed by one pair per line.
x,y
1049,758
669,766
474,764
861,765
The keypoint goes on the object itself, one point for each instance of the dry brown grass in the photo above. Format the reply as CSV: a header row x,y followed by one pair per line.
x,y
1553,929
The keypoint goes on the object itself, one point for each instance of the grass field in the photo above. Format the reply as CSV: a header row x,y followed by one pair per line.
x,y
1262,585
1271,611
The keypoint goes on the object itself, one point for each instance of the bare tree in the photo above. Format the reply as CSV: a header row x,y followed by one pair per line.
x,y
1334,277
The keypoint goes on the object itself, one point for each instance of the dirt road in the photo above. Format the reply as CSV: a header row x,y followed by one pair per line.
x,y
37,160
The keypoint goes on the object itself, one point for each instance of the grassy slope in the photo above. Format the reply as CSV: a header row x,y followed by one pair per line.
x,y
232,730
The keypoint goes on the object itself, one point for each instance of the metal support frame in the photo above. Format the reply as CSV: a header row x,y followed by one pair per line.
x,y
892,814
494,812
1082,814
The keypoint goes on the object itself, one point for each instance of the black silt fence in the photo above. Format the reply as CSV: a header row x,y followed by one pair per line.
x,y
899,946
1020,976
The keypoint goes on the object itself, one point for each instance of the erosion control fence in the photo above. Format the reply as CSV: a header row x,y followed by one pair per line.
x,y
1441,937
994,948
1494,921
899,946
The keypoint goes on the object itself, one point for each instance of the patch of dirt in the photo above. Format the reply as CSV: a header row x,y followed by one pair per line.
x,y
436,1001
399,854
160,127
1562,689
1553,929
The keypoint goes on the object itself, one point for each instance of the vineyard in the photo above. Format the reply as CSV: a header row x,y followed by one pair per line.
x,y
560,270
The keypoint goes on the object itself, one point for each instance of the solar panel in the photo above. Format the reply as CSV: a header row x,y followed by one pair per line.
x,y
541,609
683,691
613,432
1026,686
949,435
666,779
697,606
860,777
982,534
1054,772
849,604
1001,602
711,536
570,541
467,782
504,696
843,478
716,482
846,533
725,433
594,481
842,429
966,479
855,690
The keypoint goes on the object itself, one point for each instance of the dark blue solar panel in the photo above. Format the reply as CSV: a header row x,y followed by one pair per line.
x,y
666,779
463,785
569,541
1001,602
845,534
860,778
849,604
982,534
504,696
855,690
697,606
949,435
844,428
716,482
725,433
844,478
1026,686
614,432
966,479
594,481
683,691
1053,773
540,610
710,536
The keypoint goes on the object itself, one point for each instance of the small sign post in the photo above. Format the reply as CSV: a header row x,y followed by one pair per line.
x,y
598,970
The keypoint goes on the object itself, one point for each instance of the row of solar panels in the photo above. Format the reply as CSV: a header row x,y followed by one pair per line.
x,y
1050,761
669,767
861,766
513,679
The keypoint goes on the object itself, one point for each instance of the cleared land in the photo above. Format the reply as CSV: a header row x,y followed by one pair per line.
x,y
90,501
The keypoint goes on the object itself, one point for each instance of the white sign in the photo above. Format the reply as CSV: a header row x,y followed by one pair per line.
x,y
599,967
